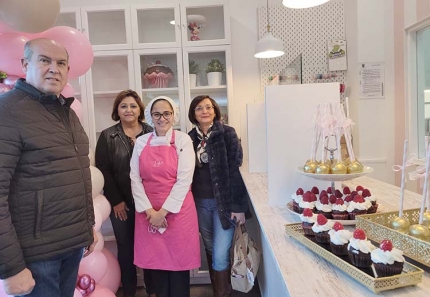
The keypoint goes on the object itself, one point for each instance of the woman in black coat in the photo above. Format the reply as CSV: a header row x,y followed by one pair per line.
x,y
113,153
218,189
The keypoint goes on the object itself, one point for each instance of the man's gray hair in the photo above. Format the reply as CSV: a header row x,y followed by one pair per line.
x,y
28,50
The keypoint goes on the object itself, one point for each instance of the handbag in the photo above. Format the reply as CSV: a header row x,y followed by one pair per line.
x,y
245,259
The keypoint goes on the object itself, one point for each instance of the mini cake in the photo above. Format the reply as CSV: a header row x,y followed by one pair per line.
x,y
357,206
308,201
308,220
387,260
323,207
321,228
339,211
359,249
297,197
339,238
372,199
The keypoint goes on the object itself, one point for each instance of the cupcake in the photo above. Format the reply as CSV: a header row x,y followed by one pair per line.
x,y
321,228
308,220
308,201
339,238
372,199
339,211
323,207
357,206
297,197
387,260
359,249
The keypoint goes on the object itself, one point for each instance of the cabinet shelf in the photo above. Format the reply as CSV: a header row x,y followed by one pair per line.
x,y
208,88
98,94
161,90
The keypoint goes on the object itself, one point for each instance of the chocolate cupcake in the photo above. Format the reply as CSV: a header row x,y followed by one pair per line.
x,y
308,220
387,260
321,228
359,249
339,238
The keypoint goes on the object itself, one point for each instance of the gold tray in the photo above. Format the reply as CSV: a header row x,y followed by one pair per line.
x,y
411,274
377,228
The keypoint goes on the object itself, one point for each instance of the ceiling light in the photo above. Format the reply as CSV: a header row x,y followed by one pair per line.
x,y
297,4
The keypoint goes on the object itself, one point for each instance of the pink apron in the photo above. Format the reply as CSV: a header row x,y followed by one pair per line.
x,y
178,248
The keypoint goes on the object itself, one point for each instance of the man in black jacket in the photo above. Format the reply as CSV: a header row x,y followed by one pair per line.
x,y
46,209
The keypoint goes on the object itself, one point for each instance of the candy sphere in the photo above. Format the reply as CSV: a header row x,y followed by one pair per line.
x,y
338,168
400,224
420,232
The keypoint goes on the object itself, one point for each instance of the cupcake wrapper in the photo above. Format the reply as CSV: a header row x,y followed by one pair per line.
x,y
307,228
322,237
340,250
384,270
360,260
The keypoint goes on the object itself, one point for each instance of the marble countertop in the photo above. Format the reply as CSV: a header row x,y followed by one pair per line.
x,y
304,272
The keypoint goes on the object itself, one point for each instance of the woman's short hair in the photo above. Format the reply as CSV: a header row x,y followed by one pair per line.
x,y
195,102
120,97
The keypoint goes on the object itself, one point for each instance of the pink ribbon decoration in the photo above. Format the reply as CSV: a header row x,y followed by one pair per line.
x,y
418,174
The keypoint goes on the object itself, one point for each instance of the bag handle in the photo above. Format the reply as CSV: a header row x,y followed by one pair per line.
x,y
244,247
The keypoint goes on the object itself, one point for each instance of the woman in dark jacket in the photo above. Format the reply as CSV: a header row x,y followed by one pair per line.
x,y
218,188
113,153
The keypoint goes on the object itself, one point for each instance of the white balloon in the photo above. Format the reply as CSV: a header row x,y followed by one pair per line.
x,y
102,204
97,181
97,219
100,243
92,157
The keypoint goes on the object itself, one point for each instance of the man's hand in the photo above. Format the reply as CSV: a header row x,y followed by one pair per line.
x,y
19,284
120,211
90,249
239,217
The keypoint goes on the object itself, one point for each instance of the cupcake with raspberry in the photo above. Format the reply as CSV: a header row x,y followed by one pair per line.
x,y
357,206
308,220
359,249
308,201
339,210
321,228
297,197
339,238
323,207
370,199
387,260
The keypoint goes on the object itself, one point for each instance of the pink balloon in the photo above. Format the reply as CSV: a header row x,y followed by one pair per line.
x,y
80,50
103,205
77,293
2,292
68,91
77,107
94,265
11,80
100,243
91,287
12,50
4,88
112,278
101,291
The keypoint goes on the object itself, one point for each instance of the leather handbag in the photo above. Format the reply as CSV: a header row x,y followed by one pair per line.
x,y
245,260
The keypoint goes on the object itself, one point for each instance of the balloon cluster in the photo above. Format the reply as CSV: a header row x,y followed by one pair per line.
x,y
85,284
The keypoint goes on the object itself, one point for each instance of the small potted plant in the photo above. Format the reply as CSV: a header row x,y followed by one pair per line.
x,y
194,68
3,75
214,70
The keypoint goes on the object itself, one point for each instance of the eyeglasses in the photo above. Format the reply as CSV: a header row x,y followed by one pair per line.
x,y
201,108
156,115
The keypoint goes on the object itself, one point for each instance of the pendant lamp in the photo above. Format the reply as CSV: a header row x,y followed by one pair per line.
x,y
297,4
269,46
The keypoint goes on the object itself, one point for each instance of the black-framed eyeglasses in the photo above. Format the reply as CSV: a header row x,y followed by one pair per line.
x,y
156,115
201,108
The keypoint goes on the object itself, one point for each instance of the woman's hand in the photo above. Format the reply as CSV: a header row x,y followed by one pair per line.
x,y
239,217
157,219
120,211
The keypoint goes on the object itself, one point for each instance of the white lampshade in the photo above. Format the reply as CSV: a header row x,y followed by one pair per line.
x,y
269,47
297,4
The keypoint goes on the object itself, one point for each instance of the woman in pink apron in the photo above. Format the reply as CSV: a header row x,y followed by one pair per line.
x,y
166,233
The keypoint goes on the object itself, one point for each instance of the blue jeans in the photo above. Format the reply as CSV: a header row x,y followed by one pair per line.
x,y
56,277
217,241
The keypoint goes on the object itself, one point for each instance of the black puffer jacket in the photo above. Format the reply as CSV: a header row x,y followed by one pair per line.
x,y
225,158
113,154
46,206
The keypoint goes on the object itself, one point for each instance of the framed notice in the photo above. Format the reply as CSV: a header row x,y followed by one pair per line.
x,y
372,80
337,55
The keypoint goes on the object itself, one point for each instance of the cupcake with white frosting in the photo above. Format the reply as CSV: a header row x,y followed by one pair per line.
x,y
339,239
321,228
359,249
387,260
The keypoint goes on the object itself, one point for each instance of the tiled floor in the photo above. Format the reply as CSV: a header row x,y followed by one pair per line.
x,y
204,291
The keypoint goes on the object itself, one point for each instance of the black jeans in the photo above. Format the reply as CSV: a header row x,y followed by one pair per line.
x,y
124,235
171,283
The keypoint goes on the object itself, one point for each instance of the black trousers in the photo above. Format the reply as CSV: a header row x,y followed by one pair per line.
x,y
171,283
124,235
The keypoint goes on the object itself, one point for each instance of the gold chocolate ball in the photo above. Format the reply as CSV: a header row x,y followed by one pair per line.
x,y
323,169
338,168
400,224
310,166
420,232
355,167
426,219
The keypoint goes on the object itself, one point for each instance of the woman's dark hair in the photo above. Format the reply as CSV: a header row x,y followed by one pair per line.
x,y
162,99
120,97
195,102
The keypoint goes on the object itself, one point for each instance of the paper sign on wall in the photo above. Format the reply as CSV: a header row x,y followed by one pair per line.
x,y
372,80
337,55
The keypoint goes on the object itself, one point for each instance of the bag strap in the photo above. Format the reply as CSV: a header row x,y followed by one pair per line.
x,y
244,246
